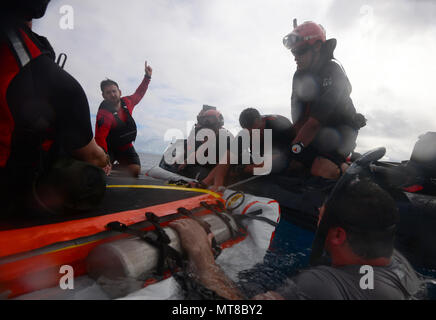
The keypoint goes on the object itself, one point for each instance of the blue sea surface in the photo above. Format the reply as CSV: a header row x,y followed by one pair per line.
x,y
148,160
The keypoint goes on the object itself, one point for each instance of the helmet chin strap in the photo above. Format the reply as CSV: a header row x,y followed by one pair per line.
x,y
314,58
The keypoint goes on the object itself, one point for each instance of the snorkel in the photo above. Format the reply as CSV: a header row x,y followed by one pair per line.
x,y
317,256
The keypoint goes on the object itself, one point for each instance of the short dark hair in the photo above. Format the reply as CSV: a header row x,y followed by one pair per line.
x,y
368,214
107,82
248,117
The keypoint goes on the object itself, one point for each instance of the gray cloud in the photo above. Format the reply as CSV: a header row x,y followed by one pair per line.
x,y
404,17
229,54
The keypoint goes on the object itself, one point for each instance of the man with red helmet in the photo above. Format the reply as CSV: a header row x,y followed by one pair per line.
x,y
210,118
323,113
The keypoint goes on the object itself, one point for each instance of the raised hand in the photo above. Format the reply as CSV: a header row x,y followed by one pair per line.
x,y
148,70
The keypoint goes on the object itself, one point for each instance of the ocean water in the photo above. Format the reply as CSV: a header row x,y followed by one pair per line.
x,y
148,160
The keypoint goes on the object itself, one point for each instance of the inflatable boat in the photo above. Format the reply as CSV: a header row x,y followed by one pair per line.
x,y
120,245
300,198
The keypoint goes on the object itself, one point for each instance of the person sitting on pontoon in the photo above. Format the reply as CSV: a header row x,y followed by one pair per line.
x,y
198,147
323,113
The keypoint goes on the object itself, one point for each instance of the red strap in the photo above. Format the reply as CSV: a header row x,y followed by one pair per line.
x,y
414,188
33,49
9,69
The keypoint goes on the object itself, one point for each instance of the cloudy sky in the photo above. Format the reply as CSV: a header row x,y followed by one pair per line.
x,y
229,53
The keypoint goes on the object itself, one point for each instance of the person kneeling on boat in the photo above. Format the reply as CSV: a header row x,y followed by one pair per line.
x,y
282,134
46,134
115,128
208,118
356,228
323,113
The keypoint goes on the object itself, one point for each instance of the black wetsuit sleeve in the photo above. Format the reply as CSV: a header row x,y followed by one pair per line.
x,y
72,109
335,90
282,133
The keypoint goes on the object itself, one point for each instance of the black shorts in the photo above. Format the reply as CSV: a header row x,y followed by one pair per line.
x,y
309,154
334,144
126,157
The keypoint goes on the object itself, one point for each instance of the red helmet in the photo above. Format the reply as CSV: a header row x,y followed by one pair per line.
x,y
210,119
305,34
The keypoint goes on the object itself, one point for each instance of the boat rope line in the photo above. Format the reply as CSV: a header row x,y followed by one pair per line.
x,y
65,245
169,257
255,215
156,238
224,218
71,247
215,247
144,186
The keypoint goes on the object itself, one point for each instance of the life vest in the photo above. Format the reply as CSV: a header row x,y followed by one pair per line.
x,y
18,47
124,132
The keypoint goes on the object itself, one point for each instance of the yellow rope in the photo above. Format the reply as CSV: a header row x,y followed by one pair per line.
x,y
216,195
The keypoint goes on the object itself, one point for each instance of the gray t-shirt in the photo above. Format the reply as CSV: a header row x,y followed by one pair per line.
x,y
397,281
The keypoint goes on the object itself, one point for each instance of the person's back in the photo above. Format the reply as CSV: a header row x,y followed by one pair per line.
x,y
282,134
44,112
396,281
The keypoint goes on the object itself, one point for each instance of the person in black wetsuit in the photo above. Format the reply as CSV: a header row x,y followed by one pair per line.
x,y
44,116
323,113
282,134
360,223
